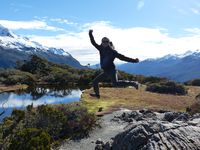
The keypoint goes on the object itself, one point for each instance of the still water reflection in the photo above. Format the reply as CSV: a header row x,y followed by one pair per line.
x,y
37,96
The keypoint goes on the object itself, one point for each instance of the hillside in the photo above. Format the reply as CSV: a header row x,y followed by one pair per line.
x,y
15,48
38,70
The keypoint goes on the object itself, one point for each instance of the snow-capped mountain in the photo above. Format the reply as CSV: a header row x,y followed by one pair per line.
x,y
14,48
178,67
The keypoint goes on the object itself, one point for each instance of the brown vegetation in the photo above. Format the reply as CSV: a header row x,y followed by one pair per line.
x,y
6,88
138,99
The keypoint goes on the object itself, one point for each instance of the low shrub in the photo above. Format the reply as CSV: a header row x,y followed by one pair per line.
x,y
61,78
47,118
31,139
63,121
79,121
167,88
30,127
151,79
194,108
18,114
12,77
195,82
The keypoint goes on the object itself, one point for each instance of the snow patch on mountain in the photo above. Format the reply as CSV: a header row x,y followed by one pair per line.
x,y
9,40
195,53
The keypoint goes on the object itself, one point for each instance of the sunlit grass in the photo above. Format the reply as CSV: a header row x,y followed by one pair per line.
x,y
138,99
4,88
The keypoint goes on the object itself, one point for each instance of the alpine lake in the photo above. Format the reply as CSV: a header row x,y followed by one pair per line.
x,y
36,96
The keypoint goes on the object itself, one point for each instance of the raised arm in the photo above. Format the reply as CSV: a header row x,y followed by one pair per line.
x,y
93,41
127,59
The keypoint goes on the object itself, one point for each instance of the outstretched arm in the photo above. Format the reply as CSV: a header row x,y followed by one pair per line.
x,y
93,41
127,59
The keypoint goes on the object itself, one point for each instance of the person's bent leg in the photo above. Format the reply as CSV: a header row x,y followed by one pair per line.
x,y
96,81
114,78
122,83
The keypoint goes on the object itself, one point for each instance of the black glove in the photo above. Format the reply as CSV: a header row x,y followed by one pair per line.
x,y
136,60
90,31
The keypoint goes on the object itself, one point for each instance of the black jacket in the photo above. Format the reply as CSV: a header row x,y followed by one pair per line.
x,y
107,55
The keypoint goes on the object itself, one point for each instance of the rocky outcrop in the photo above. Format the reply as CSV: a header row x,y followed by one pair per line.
x,y
156,130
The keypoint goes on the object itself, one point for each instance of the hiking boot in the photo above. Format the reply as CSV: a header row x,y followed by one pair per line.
x,y
136,85
94,95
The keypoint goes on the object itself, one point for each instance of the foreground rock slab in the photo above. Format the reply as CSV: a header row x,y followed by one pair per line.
x,y
161,130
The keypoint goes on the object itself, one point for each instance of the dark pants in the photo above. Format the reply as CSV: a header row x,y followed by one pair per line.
x,y
112,74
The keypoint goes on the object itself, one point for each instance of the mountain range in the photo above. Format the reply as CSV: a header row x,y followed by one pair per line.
x,y
14,48
180,68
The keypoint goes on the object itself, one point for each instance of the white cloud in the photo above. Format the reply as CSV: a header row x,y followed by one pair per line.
x,y
34,24
17,7
140,4
194,31
195,11
14,5
63,21
133,42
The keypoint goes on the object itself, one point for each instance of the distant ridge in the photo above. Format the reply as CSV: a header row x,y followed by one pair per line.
x,y
180,68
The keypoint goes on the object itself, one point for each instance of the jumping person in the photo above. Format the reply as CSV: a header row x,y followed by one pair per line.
x,y
107,56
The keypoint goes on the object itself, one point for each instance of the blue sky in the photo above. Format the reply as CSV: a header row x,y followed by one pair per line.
x,y
138,28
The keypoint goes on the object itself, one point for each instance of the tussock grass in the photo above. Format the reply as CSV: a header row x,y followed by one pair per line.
x,y
138,99
12,88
